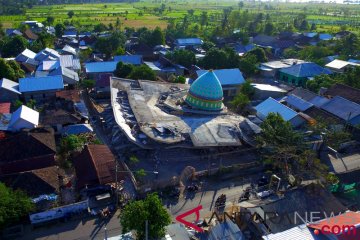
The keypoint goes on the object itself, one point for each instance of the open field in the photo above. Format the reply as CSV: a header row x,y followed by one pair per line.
x,y
328,17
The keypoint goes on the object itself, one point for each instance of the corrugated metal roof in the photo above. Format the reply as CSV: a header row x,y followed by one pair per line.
x,y
129,59
318,101
226,76
305,70
9,85
69,49
100,67
189,41
41,83
342,108
77,129
76,64
26,53
48,65
66,61
298,103
26,114
268,87
270,105
339,64
296,233
225,230
66,73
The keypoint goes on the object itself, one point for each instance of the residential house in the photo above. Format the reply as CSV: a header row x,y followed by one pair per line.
x,y
309,96
47,54
69,50
297,103
188,42
77,129
25,55
318,114
341,66
47,181
24,118
271,69
241,49
270,105
102,85
129,59
69,95
94,69
40,88
95,165
176,231
230,80
11,32
224,230
164,68
9,90
264,91
70,77
27,151
299,74
342,90
140,49
58,119
30,35
344,109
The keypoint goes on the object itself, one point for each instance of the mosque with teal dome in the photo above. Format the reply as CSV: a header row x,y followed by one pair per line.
x,y
206,93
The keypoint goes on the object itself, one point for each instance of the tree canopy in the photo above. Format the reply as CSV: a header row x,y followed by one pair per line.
x,y
13,46
123,70
142,72
183,57
10,70
151,209
14,206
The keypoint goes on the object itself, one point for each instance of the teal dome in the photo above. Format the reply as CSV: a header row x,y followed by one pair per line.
x,y
206,92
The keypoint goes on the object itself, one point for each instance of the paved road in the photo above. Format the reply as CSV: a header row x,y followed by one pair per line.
x,y
206,198
76,230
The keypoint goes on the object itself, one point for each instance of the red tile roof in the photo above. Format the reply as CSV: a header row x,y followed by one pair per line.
x,y
5,108
95,165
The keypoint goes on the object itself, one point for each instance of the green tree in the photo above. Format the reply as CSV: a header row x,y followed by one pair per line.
x,y
151,209
203,19
70,14
6,70
59,30
85,54
280,143
17,103
123,70
110,45
100,28
248,64
88,83
318,82
239,102
14,206
269,28
50,20
142,72
180,79
259,53
71,143
13,46
157,37
183,57
19,73
31,103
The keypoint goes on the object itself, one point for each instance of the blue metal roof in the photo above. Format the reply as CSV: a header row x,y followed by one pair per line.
x,y
307,69
298,103
188,41
100,67
226,76
270,105
342,108
34,84
77,129
129,59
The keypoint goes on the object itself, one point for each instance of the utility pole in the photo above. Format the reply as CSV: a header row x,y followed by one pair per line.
x,y
146,230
